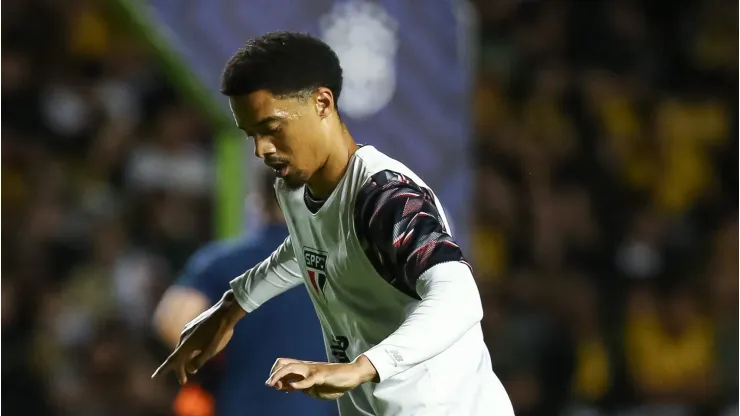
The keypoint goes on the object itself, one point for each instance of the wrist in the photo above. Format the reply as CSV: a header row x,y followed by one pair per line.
x,y
231,308
365,369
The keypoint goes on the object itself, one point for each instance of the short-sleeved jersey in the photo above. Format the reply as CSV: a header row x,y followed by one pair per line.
x,y
360,253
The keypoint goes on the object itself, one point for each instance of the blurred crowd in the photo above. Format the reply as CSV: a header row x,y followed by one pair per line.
x,y
606,210
606,220
106,190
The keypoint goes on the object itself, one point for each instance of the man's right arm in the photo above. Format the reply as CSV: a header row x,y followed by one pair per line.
x,y
210,331
273,276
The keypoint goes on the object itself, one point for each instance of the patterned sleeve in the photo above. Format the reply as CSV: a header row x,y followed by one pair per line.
x,y
401,230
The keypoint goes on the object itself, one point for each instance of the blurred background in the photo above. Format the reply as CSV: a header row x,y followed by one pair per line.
x,y
586,149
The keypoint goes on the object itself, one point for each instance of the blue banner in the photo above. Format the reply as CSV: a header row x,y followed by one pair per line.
x,y
407,71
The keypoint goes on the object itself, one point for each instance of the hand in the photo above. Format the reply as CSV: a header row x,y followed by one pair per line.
x,y
203,337
326,381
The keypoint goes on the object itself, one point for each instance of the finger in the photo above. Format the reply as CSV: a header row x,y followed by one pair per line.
x,y
182,376
171,362
190,367
295,368
165,367
280,362
281,370
159,370
305,383
284,386
202,357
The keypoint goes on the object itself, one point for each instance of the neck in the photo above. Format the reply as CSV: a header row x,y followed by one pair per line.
x,y
323,182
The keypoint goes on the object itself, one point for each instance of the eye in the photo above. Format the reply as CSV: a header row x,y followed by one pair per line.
x,y
268,130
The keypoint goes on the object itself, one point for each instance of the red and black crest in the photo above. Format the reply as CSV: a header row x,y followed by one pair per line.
x,y
316,267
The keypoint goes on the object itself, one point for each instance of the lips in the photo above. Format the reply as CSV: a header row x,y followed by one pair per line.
x,y
281,169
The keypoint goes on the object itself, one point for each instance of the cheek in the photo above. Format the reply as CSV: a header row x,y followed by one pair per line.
x,y
304,156
303,150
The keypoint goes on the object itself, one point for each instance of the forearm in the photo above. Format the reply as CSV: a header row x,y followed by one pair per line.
x,y
450,305
268,279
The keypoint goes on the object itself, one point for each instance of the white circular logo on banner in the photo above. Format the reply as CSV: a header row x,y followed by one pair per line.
x,y
364,36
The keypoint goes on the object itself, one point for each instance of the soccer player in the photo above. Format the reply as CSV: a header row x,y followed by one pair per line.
x,y
273,329
397,302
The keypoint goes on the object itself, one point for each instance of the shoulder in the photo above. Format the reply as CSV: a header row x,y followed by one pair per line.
x,y
380,170
390,201
372,161
401,229
386,185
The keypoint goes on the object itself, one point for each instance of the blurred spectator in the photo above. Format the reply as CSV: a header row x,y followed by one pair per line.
x,y
669,348
723,287
90,246
595,358
605,130
172,162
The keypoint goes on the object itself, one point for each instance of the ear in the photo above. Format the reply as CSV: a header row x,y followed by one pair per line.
x,y
324,102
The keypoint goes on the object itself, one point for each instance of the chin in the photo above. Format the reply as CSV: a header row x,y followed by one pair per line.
x,y
293,182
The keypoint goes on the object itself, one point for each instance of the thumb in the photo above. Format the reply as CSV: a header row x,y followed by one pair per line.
x,y
218,342
200,360
305,383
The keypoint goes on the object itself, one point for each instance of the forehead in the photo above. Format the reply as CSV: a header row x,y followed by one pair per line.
x,y
251,108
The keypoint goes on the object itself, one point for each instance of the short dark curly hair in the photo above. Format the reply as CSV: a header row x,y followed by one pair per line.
x,y
288,64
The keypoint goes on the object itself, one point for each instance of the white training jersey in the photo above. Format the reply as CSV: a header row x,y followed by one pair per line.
x,y
387,281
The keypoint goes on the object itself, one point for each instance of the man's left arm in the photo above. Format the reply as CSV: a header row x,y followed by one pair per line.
x,y
405,237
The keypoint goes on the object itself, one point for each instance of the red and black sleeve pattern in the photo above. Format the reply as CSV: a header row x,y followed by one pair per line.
x,y
401,230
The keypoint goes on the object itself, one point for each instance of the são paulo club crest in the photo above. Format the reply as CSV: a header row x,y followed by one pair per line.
x,y
316,267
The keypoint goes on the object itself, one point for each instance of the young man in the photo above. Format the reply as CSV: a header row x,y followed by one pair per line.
x,y
397,302
238,381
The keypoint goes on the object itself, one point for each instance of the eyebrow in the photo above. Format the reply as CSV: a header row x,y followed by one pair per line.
x,y
262,122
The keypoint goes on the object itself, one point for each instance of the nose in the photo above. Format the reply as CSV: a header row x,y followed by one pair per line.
x,y
263,147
